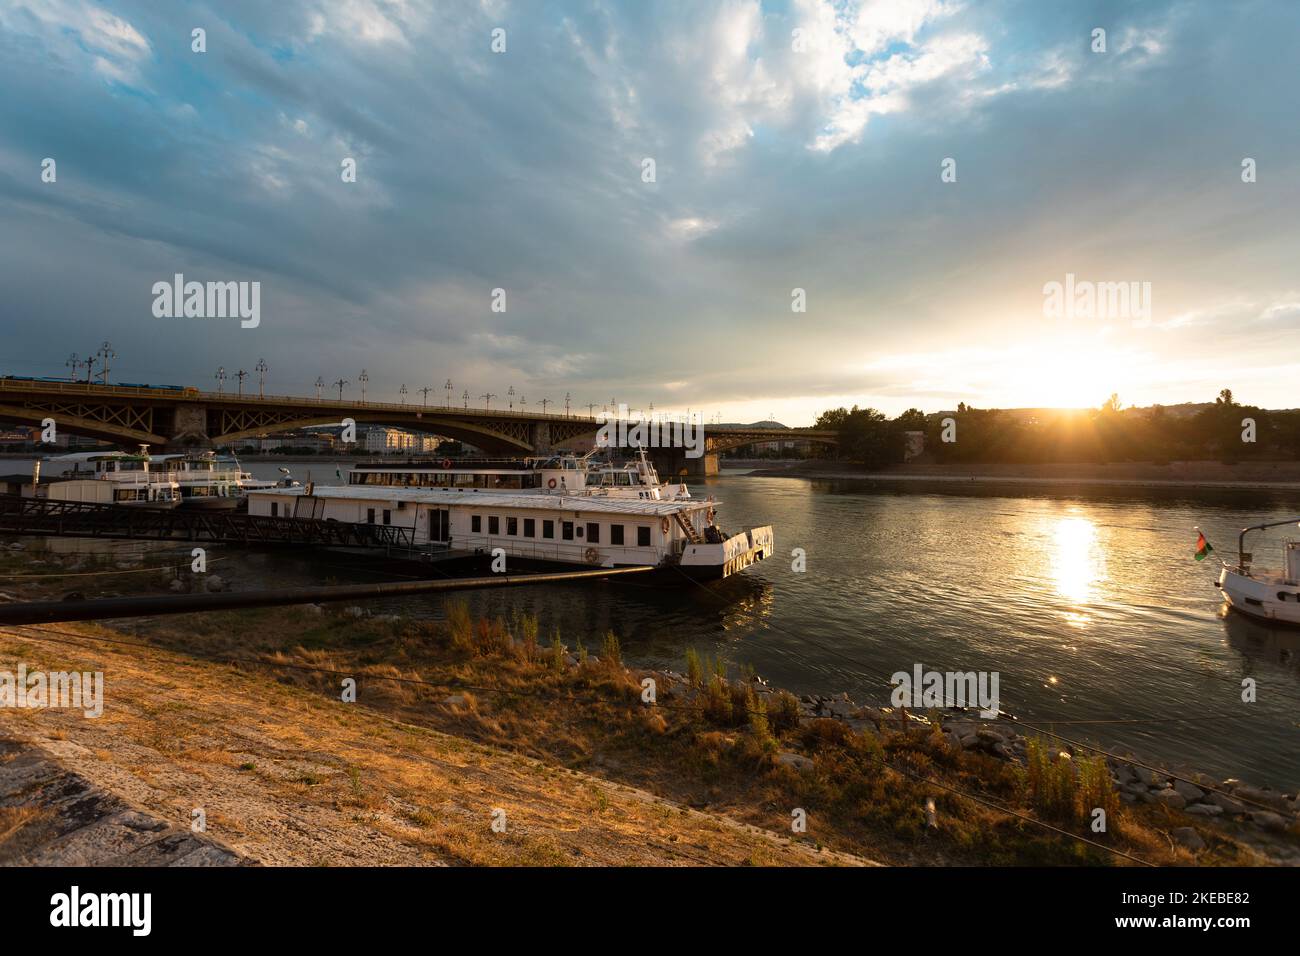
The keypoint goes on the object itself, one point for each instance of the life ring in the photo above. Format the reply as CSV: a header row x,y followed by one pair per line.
x,y
551,483
592,555
664,525
446,464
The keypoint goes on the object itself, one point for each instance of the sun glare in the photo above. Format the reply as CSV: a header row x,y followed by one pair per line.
x,y
1069,374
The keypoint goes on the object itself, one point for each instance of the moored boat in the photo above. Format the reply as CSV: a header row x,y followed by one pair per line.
x,y
110,477
1270,596
206,482
561,511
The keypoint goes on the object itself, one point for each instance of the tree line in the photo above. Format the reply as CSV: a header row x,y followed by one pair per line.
x,y
1224,431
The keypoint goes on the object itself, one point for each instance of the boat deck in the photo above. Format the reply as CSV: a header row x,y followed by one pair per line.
x,y
592,502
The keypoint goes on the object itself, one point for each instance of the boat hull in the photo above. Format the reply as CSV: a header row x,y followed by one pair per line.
x,y
1267,599
212,503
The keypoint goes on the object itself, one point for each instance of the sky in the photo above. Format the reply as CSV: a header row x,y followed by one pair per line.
x,y
922,170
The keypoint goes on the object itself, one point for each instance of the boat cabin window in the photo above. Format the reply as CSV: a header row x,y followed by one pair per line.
x,y
548,528
512,525
275,509
370,516
476,523
494,524
388,516
616,534
642,536
593,533
530,527
566,530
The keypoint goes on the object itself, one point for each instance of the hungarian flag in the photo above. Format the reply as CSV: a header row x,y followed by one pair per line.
x,y
1202,547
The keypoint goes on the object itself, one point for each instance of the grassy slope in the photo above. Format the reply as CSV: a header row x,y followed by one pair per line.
x,y
292,777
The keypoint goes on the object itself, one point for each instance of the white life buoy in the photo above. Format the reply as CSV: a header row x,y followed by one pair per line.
x,y
551,483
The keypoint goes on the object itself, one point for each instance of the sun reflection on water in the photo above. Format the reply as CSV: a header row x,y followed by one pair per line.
x,y
1077,564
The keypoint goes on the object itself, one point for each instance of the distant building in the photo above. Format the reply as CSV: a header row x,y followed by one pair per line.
x,y
389,441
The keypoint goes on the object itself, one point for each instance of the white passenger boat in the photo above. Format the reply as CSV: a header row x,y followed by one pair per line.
x,y
1269,596
206,482
110,477
559,511
249,483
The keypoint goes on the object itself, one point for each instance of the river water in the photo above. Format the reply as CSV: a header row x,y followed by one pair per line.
x,y
1090,608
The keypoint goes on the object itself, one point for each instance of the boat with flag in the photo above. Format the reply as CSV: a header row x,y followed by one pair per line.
x,y
1270,596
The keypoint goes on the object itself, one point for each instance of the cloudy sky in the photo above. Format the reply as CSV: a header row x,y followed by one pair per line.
x,y
783,160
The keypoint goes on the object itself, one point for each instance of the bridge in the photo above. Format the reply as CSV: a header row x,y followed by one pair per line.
x,y
177,419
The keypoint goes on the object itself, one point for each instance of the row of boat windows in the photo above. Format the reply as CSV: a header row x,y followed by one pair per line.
x,y
141,494
569,530
456,479
445,480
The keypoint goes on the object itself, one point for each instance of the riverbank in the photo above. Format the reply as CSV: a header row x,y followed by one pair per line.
x,y
240,713
1280,476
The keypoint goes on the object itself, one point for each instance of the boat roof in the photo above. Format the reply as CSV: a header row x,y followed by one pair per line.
x,y
491,499
87,456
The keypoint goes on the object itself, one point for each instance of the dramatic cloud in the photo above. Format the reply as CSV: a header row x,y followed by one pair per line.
x,y
794,145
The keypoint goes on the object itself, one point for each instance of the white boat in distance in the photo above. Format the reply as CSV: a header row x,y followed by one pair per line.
x,y
110,477
1270,597
212,483
559,511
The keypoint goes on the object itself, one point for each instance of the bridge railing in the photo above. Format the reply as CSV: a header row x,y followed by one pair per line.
x,y
190,394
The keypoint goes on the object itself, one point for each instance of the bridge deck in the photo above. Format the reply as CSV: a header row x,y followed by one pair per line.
x,y
40,516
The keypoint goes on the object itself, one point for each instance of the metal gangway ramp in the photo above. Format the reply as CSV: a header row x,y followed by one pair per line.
x,y
78,519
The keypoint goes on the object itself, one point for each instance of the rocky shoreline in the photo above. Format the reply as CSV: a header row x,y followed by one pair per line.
x,y
1226,802
1261,816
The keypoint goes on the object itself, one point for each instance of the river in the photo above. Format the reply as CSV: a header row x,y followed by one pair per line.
x,y
1090,608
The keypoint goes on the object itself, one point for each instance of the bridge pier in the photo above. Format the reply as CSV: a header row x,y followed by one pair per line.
x,y
673,463
539,436
189,429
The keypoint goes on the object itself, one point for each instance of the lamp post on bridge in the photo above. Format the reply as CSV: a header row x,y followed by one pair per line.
x,y
260,368
487,401
545,402
567,398
510,396
90,364
105,353
221,379
448,387
402,392
465,399
363,378
74,363
342,384
320,383
241,375
425,392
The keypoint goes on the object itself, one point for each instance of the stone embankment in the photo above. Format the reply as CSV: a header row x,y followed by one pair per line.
x,y
50,816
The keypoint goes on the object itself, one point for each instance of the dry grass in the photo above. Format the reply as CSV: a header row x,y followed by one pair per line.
x,y
865,793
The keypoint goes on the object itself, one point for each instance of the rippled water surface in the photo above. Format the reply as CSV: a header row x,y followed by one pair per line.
x,y
1090,608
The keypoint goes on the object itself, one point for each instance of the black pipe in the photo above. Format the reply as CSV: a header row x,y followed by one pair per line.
x,y
46,612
